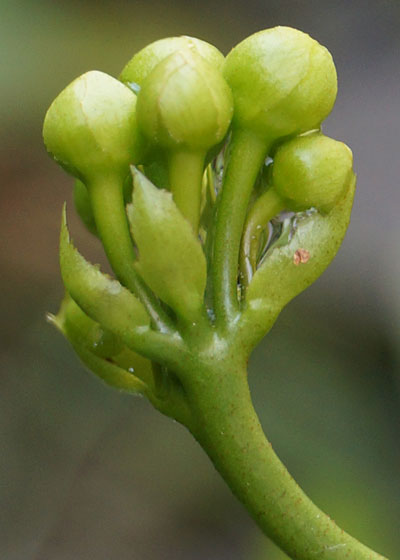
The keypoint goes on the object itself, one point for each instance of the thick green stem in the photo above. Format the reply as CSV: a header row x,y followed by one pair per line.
x,y
228,429
186,170
107,201
247,153
264,209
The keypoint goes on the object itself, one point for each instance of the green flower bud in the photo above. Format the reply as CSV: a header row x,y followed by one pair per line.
x,y
283,82
312,170
185,102
90,128
135,73
140,66
185,108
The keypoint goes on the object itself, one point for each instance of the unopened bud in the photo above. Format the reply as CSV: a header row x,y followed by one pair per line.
x,y
283,82
312,171
185,103
143,62
90,128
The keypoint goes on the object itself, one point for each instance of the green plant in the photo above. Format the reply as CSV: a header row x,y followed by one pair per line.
x,y
201,273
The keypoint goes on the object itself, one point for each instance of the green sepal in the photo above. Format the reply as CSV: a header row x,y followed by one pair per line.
x,y
135,364
171,260
78,325
109,372
105,300
289,269
106,369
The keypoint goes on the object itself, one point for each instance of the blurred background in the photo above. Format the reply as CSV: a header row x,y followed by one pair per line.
x,y
87,472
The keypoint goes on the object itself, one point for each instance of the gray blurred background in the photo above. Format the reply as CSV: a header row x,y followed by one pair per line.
x,y
86,472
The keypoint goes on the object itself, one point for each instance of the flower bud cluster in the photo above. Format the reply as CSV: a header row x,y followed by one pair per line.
x,y
178,105
275,84
181,166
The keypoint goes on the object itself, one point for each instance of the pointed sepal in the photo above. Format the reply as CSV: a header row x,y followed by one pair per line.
x,y
103,299
96,348
171,259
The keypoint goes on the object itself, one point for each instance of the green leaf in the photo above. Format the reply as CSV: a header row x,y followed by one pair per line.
x,y
105,300
289,269
171,259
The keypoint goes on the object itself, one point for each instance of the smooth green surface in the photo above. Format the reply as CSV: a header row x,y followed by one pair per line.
x,y
245,157
312,171
143,62
283,82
